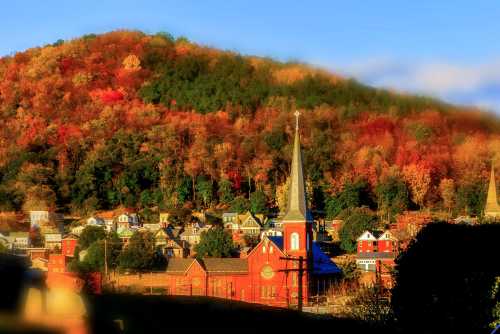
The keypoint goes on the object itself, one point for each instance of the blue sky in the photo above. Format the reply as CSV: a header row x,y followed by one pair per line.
x,y
449,49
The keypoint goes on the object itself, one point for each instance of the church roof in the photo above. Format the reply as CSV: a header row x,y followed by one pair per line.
x,y
322,264
297,204
225,265
178,265
492,206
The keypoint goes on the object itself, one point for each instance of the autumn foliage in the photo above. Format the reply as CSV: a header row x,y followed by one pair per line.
x,y
126,118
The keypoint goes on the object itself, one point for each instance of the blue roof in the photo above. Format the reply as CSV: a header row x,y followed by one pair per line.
x,y
278,241
322,264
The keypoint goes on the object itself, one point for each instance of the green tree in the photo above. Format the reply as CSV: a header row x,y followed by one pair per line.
x,y
359,220
94,260
204,188
471,198
140,254
240,204
352,196
216,242
91,234
392,196
225,191
258,202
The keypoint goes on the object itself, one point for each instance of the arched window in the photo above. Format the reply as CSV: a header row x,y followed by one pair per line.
x,y
294,241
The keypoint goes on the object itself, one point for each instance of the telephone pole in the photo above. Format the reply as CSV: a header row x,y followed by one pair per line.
x,y
300,271
105,258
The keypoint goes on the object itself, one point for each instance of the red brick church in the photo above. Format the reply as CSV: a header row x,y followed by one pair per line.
x,y
278,271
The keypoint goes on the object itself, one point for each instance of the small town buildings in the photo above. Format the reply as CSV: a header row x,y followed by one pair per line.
x,y
19,240
230,221
68,245
53,241
281,271
492,208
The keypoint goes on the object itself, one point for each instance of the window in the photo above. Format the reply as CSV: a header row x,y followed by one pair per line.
x,y
294,241
270,249
264,249
294,279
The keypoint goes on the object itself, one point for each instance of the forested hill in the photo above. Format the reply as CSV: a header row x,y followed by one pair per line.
x,y
150,121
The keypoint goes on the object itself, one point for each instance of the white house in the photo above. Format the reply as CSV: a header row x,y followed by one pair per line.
x,y
19,240
95,221
53,240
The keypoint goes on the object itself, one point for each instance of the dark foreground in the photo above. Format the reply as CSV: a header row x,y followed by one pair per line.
x,y
158,314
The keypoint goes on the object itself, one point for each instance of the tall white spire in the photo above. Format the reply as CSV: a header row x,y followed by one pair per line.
x,y
297,205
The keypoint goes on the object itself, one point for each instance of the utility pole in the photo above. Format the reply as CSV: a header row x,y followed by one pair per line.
x,y
105,258
300,271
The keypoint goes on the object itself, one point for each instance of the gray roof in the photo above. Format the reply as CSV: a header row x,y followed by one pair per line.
x,y
225,265
376,255
229,214
297,205
178,265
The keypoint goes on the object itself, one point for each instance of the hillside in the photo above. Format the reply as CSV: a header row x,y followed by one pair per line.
x,y
149,121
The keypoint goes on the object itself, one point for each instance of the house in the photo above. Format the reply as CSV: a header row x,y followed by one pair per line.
x,y
272,229
230,221
40,263
4,241
95,221
77,230
152,227
164,216
241,225
332,228
192,234
109,220
376,252
170,245
57,263
68,245
37,252
250,225
19,240
125,234
43,219
53,241
127,219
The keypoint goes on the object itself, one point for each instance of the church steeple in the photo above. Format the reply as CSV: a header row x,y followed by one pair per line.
x,y
297,205
492,207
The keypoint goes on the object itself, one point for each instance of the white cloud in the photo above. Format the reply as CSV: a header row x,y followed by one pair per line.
x,y
477,84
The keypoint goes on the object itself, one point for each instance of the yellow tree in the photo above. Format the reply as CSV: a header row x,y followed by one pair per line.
x,y
418,179
447,191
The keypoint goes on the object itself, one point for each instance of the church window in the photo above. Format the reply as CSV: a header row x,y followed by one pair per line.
x,y
270,249
264,249
294,279
294,241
